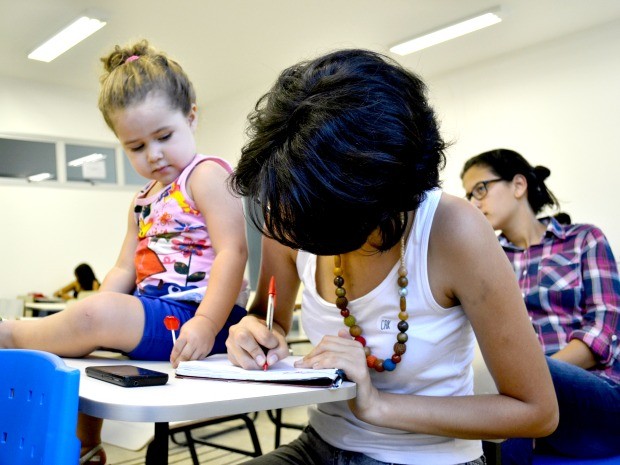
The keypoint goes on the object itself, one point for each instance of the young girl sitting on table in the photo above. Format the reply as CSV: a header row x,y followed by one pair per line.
x,y
570,284
343,163
185,230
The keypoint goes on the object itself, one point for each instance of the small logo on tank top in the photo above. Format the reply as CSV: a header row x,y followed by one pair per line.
x,y
387,324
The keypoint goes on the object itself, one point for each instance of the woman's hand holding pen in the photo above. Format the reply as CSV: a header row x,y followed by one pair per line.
x,y
246,341
347,354
255,342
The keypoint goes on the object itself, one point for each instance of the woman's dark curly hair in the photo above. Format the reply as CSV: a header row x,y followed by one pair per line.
x,y
507,164
339,147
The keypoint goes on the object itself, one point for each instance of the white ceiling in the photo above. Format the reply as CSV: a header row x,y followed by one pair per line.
x,y
230,46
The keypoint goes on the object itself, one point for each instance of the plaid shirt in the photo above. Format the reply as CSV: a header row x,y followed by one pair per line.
x,y
572,291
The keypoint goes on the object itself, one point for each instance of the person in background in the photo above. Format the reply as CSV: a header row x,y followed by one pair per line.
x,y
85,280
185,232
569,281
343,162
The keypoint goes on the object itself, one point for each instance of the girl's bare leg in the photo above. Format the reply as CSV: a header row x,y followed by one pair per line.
x,y
89,432
106,319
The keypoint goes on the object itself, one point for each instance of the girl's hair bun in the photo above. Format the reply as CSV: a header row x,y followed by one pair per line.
x,y
541,172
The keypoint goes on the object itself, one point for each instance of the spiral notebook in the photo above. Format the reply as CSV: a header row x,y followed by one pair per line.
x,y
284,372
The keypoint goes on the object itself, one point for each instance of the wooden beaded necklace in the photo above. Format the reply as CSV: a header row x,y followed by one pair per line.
x,y
356,331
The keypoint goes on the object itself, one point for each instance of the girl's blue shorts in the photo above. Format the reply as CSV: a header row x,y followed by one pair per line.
x,y
156,343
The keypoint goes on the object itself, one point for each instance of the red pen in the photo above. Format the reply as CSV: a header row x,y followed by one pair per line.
x,y
271,303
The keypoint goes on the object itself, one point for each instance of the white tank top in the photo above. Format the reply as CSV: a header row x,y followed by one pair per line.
x,y
438,360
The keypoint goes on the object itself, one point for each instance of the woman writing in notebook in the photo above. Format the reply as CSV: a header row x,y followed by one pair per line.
x,y
343,163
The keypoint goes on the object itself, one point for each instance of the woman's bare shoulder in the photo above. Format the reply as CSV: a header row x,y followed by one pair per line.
x,y
456,220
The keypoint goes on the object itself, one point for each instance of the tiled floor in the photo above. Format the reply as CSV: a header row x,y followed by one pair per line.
x,y
239,438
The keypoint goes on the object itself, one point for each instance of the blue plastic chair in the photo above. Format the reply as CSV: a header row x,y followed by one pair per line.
x,y
39,398
559,460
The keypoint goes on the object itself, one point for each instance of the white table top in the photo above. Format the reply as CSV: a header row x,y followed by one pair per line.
x,y
190,399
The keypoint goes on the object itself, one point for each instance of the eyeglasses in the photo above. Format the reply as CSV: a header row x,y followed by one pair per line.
x,y
481,189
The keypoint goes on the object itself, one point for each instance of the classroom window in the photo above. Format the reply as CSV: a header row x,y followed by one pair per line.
x,y
21,158
90,164
60,161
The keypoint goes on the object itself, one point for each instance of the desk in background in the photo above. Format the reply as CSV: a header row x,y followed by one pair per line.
x,y
44,308
188,399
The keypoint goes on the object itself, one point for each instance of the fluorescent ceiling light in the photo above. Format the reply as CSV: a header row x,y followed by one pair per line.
x,y
39,177
87,159
449,32
76,32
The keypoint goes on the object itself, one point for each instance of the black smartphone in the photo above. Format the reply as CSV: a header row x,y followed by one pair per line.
x,y
127,375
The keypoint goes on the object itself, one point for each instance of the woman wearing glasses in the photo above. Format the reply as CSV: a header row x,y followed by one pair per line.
x,y
569,280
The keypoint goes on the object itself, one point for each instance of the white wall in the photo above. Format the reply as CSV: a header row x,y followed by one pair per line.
x,y
34,109
556,104
46,232
223,124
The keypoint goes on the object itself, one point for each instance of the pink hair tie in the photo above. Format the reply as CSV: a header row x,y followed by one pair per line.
x,y
132,58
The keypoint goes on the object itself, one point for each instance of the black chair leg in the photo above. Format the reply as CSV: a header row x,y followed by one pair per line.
x,y
191,441
252,430
276,419
492,452
278,424
192,447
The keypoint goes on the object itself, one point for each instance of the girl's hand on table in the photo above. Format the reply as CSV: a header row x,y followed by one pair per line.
x,y
195,340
